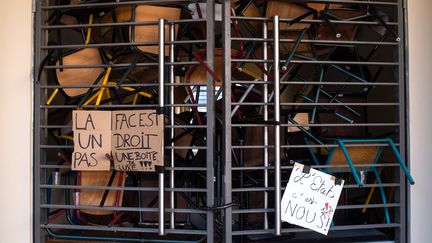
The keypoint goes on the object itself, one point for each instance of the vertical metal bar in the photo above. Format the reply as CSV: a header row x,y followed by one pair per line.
x,y
276,67
161,203
210,33
227,156
265,100
403,120
161,105
37,119
172,130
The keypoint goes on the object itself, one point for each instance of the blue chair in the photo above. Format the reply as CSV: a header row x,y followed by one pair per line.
x,y
366,155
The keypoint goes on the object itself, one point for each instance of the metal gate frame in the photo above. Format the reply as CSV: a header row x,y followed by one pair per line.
x,y
41,127
401,221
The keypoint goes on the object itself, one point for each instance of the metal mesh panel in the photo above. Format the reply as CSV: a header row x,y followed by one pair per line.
x,y
111,55
328,72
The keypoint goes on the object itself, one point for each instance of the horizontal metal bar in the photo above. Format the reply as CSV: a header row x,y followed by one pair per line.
x,y
356,187
119,24
118,106
348,186
298,61
96,86
253,210
322,125
186,147
309,146
126,209
313,21
248,168
114,4
190,127
119,65
346,166
117,44
339,207
335,42
52,146
119,188
342,104
332,228
329,146
252,189
341,83
121,229
248,82
393,3
186,168
203,105
115,86
315,104
54,166
361,206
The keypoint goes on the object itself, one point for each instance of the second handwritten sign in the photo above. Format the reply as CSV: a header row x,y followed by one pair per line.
x,y
310,198
137,140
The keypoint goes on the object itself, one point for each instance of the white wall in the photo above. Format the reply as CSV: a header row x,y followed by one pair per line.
x,y
15,121
420,78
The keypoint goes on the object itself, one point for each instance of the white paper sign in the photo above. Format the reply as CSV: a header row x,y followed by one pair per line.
x,y
203,6
310,199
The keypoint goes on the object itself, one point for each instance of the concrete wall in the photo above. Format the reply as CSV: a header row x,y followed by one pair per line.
x,y
420,98
15,121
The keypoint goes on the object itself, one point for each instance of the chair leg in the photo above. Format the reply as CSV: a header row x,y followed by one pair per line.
x,y
402,164
311,152
350,162
317,95
383,196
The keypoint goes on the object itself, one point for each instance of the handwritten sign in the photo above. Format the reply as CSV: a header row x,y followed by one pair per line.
x,y
310,199
137,140
134,139
92,140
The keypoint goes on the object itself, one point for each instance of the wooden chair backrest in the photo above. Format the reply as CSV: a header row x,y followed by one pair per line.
x,y
252,11
300,118
359,156
289,10
149,33
79,76
198,73
348,32
255,136
94,197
